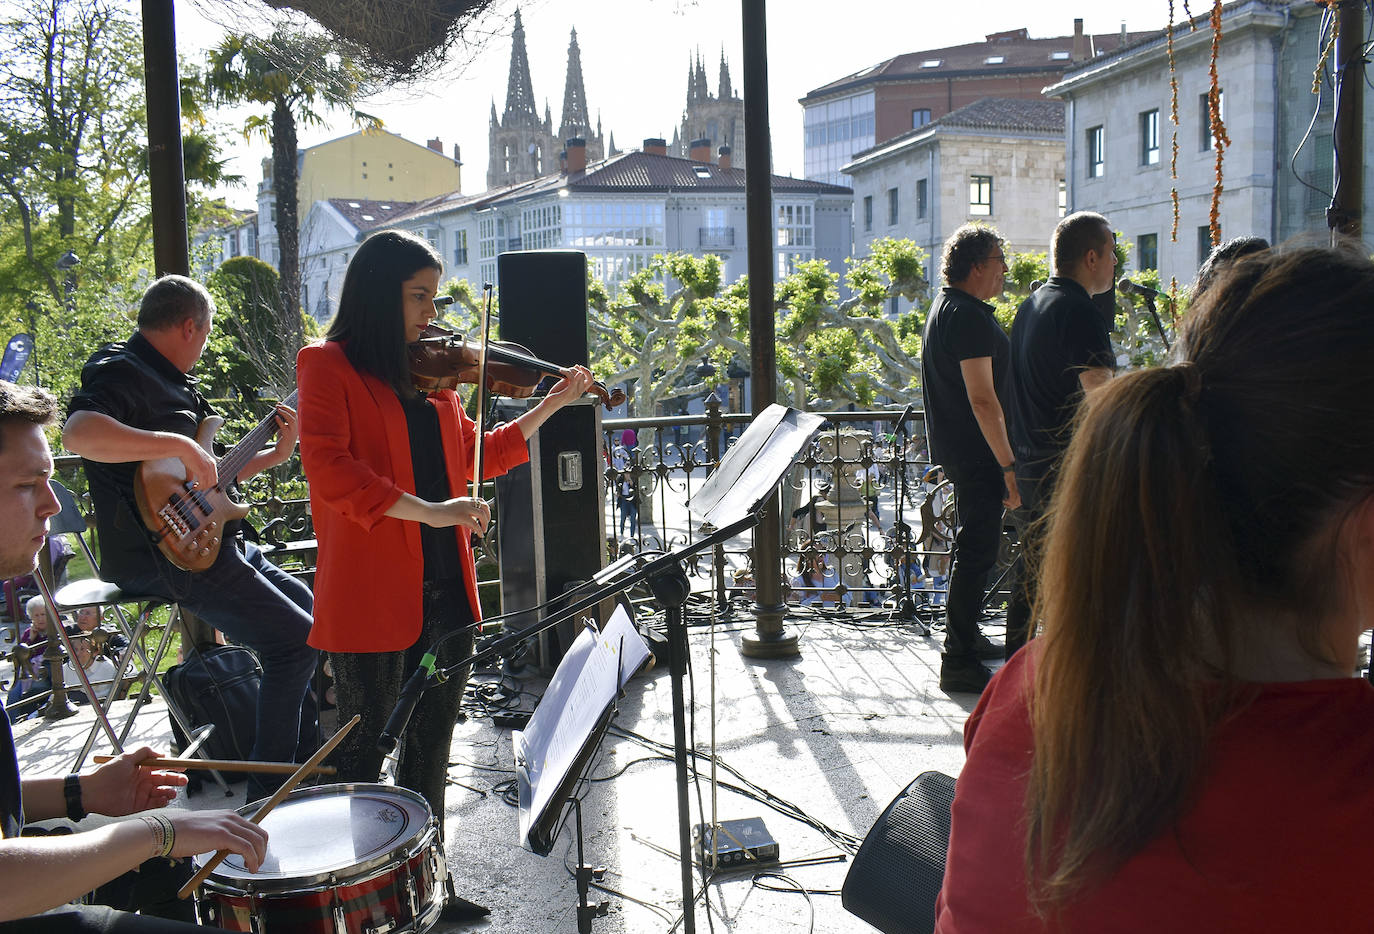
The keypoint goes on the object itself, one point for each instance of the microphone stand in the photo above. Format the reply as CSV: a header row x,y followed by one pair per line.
x,y
667,579
1159,326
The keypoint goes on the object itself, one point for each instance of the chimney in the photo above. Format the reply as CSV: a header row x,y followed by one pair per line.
x,y
725,157
577,155
699,150
1125,36
436,144
656,146
1080,42
457,159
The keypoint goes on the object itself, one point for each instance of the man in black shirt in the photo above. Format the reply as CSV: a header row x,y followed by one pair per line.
x,y
138,403
963,369
42,873
1060,349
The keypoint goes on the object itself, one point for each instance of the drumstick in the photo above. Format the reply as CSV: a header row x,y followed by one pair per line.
x,y
272,802
223,765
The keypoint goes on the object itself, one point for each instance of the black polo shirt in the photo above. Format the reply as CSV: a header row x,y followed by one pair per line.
x,y
1058,333
959,327
134,384
11,799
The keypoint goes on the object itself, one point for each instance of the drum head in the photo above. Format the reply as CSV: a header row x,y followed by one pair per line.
x,y
330,830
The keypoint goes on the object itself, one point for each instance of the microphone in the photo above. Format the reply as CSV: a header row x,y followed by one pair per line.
x,y
444,301
1127,287
405,705
1036,283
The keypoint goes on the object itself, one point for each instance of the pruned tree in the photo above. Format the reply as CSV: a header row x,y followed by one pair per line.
x,y
300,76
669,317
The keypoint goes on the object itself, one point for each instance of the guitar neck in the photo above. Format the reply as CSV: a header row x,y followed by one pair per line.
x,y
233,462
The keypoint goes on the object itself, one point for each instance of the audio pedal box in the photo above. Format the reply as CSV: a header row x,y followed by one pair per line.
x,y
735,843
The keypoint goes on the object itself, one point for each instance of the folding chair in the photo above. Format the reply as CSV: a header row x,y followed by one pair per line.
x,y
98,593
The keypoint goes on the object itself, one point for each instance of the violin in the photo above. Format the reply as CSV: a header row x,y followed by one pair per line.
x,y
441,359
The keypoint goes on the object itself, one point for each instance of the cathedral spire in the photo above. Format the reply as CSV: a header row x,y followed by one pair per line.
x,y
726,92
576,121
520,110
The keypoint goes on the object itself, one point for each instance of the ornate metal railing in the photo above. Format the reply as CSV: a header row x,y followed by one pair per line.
x,y
859,509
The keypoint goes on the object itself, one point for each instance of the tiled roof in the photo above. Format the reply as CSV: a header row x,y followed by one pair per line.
x,y
642,171
1017,52
365,215
1008,113
994,114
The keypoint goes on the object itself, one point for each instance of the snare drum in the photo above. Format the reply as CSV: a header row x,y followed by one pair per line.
x,y
341,859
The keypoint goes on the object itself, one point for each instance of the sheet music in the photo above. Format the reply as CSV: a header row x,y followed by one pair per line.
x,y
595,668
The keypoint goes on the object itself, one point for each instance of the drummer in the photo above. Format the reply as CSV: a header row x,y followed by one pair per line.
x,y
41,874
388,468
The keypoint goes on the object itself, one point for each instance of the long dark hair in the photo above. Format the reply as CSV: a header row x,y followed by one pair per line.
x,y
370,320
1198,502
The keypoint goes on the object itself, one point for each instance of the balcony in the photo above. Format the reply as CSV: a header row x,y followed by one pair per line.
x,y
715,238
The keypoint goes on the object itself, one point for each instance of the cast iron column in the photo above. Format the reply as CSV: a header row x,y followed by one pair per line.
x,y
769,639
166,171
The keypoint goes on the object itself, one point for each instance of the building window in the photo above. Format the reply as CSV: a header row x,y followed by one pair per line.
x,y
922,198
1205,121
364,175
794,225
1149,137
868,212
1147,251
541,227
1063,197
920,117
1204,243
1096,153
892,207
460,248
980,195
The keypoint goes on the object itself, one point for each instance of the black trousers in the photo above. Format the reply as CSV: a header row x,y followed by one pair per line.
x,y
1035,483
978,496
368,684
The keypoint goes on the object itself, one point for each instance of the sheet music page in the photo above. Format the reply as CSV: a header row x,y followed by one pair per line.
x,y
594,669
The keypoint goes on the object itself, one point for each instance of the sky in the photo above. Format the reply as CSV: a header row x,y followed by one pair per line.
x,y
635,56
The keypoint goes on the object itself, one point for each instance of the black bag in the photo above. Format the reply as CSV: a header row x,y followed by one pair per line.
x,y
217,685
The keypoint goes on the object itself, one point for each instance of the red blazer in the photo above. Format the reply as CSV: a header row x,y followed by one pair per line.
x,y
355,448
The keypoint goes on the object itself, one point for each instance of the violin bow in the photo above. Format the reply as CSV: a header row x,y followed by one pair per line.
x,y
478,448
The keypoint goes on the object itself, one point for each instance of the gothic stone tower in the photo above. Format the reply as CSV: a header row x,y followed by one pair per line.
x,y
522,145
719,118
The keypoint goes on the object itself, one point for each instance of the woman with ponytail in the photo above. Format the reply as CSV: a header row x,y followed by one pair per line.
x,y
1185,746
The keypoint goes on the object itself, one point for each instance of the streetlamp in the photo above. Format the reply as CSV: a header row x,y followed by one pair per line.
x,y
65,264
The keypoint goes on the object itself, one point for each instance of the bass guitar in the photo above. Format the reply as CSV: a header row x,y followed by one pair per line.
x,y
188,524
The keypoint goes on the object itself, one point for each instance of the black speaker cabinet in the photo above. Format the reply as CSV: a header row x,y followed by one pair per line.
x,y
550,513
544,303
898,871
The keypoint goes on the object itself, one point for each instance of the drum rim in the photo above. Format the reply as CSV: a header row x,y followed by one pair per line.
x,y
247,884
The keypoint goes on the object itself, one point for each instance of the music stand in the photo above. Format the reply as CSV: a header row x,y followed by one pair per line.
x,y
554,751
731,500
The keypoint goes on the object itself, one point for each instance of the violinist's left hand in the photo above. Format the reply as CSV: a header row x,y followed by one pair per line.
x,y
573,386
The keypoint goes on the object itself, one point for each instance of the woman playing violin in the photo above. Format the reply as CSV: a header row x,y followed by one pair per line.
x,y
387,468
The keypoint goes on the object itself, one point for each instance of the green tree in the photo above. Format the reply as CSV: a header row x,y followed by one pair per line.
x,y
248,353
665,319
299,75
72,151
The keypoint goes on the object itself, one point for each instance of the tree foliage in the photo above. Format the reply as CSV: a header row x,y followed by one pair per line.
x,y
675,314
299,76
248,352
73,159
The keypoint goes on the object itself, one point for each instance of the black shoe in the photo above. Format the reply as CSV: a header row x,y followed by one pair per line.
x,y
987,650
963,677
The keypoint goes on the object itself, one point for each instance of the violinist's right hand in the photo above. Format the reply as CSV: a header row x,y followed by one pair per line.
x,y
466,511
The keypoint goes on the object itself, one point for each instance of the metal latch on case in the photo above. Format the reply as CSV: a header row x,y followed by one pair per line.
x,y
570,471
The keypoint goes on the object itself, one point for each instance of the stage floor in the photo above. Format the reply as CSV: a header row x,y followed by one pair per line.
x,y
838,732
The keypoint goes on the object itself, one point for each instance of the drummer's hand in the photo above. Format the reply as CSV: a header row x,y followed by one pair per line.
x,y
464,511
121,786
207,831
573,386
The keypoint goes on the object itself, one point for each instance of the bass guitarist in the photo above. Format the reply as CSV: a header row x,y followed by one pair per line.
x,y
137,403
